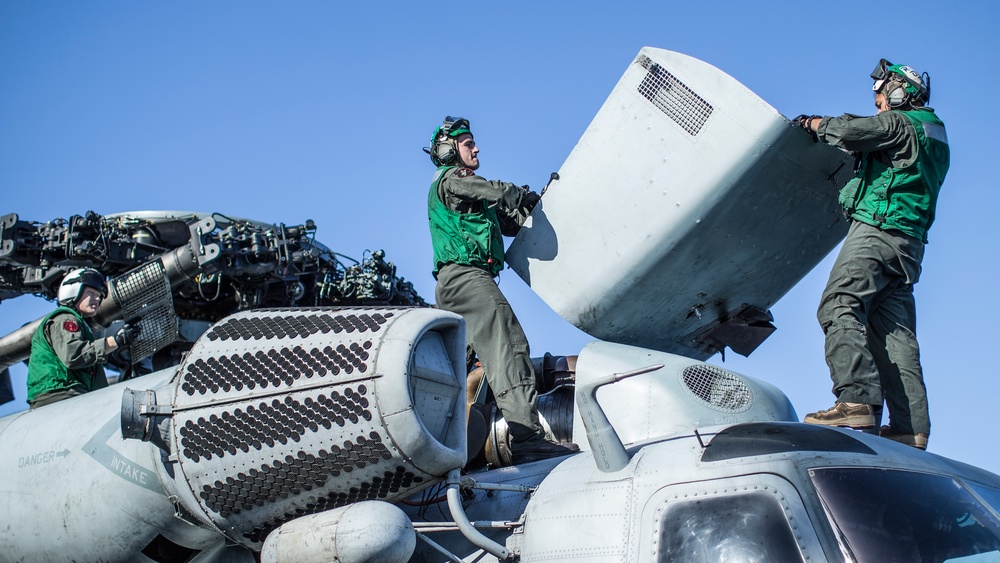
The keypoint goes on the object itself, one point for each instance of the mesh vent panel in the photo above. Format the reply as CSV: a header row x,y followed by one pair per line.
x,y
295,326
377,488
262,425
159,330
273,368
671,96
135,290
144,297
292,475
718,388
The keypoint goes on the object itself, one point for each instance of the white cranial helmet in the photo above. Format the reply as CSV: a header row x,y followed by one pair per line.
x,y
74,282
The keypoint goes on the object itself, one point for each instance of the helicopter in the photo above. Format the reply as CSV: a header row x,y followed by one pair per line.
x,y
354,431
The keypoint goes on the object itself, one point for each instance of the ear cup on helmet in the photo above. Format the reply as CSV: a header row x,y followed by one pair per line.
x,y
896,95
443,149
444,152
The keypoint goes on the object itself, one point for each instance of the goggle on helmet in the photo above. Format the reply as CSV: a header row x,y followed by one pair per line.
x,y
453,127
918,86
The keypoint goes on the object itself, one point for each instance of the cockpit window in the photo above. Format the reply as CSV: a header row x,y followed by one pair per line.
x,y
745,528
885,516
989,494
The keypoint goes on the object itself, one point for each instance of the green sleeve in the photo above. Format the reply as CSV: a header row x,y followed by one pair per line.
x,y
458,191
73,347
888,132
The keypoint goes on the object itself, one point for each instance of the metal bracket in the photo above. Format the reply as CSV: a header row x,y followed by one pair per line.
x,y
155,410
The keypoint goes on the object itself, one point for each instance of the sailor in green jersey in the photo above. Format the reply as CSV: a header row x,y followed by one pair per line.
x,y
467,216
867,311
66,359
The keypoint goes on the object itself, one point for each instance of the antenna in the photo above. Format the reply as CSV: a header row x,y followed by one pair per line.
x,y
553,176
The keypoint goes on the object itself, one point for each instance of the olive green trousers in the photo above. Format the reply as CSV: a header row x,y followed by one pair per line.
x,y
869,317
494,332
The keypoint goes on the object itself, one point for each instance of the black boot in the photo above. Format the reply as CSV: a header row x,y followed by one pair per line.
x,y
540,448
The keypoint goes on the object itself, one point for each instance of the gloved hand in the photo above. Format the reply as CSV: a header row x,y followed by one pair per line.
x,y
530,200
127,334
805,122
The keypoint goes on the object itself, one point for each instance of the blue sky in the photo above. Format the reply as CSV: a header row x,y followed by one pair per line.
x,y
283,112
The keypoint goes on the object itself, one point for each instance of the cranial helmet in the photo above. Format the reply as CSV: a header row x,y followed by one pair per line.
x,y
901,84
74,282
444,142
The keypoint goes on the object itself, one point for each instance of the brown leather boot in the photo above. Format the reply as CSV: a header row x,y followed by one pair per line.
x,y
918,441
850,415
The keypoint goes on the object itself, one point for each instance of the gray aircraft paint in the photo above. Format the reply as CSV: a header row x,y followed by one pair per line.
x,y
71,488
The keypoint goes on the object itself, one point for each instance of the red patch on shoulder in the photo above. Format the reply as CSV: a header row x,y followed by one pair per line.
x,y
71,326
465,172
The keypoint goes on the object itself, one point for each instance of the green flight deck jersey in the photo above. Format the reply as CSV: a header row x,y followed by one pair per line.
x,y
904,159
471,239
64,355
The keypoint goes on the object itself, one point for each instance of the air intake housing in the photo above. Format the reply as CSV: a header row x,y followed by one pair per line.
x,y
286,412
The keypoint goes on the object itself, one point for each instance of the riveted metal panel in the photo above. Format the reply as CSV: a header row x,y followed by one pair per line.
x,y
687,201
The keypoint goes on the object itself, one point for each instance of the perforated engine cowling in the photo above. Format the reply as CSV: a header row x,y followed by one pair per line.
x,y
281,413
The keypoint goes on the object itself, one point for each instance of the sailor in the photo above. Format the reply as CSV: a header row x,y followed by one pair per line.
x,y
468,214
66,360
867,311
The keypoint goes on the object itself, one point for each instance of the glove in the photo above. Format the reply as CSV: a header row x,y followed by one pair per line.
x,y
804,121
530,200
127,334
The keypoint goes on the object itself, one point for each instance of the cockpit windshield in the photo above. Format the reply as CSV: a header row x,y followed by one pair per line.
x,y
988,494
884,516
